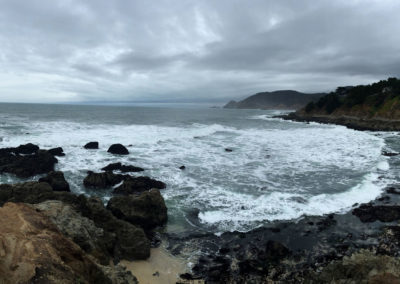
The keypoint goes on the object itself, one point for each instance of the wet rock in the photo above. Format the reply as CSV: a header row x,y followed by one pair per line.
x,y
122,168
57,152
130,242
26,161
370,213
26,149
147,210
393,190
91,145
139,184
389,154
102,180
56,180
118,149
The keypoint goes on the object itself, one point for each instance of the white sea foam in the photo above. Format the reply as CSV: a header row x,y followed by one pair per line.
x,y
272,174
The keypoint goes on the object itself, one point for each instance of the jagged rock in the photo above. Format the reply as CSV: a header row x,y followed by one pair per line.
x,y
80,229
34,251
118,149
56,180
26,149
57,151
130,241
122,168
147,210
122,239
370,213
92,145
139,184
26,161
102,180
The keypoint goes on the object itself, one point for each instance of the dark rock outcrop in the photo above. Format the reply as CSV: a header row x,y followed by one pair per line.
x,y
102,180
57,151
56,180
147,210
118,149
370,213
26,161
123,168
138,184
91,145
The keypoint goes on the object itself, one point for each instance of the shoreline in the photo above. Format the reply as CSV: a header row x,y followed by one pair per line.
x,y
348,121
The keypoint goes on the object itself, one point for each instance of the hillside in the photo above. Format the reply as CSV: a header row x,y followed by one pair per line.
x,y
369,107
285,99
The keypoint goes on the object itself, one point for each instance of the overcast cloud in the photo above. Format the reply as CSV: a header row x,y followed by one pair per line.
x,y
103,50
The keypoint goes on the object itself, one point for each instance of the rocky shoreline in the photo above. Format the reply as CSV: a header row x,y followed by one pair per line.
x,y
48,233
351,122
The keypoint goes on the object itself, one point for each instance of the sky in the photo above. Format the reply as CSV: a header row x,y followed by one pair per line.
x,y
191,50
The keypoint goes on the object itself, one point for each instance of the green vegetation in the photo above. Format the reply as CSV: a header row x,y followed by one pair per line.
x,y
377,97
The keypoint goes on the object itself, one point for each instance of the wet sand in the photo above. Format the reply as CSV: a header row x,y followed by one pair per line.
x,y
160,268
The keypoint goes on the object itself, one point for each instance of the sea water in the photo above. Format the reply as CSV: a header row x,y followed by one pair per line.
x,y
277,170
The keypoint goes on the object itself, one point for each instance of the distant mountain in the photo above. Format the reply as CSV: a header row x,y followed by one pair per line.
x,y
285,99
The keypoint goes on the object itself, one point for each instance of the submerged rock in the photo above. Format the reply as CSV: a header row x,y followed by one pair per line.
x,y
102,180
56,180
91,145
139,184
123,168
118,149
147,210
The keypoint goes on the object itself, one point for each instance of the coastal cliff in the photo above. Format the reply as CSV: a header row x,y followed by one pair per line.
x,y
365,107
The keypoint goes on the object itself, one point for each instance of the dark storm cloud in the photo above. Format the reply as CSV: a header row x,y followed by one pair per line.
x,y
70,50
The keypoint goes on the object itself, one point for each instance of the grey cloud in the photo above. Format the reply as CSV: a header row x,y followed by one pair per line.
x,y
186,50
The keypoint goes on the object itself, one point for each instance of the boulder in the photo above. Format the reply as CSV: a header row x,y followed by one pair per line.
x,y
118,149
138,184
92,145
102,180
147,210
123,168
57,151
56,180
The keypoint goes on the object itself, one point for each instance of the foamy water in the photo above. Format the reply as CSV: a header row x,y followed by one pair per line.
x,y
278,170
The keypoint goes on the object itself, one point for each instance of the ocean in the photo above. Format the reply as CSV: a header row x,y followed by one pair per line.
x,y
277,170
